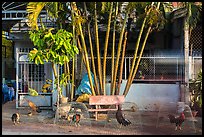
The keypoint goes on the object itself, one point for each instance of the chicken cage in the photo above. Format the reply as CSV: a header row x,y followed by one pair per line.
x,y
32,76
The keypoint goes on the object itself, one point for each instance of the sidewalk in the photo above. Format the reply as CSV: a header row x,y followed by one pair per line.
x,y
143,123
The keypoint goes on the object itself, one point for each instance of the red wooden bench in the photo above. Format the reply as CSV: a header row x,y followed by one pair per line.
x,y
105,100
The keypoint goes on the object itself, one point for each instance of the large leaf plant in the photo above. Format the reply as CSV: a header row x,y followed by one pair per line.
x,y
195,86
55,46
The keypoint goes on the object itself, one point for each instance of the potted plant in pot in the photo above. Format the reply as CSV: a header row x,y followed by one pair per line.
x,y
195,86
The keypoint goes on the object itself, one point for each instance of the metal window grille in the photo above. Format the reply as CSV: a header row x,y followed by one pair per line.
x,y
30,75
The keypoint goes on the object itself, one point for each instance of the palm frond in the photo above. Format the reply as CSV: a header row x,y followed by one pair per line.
x,y
105,6
194,14
33,9
53,9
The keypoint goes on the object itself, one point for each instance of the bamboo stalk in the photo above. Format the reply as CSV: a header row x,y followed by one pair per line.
x,y
73,78
118,52
82,52
113,49
136,50
105,49
138,61
85,52
121,65
98,49
92,55
73,60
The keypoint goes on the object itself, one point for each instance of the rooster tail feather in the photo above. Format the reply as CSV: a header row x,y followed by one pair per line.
x,y
120,118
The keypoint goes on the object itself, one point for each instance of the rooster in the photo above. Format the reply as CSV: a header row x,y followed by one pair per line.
x,y
76,119
120,117
177,120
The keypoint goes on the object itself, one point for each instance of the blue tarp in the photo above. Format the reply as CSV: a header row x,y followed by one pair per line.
x,y
84,87
8,93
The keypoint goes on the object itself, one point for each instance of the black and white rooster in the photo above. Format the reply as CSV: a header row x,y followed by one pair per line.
x,y
120,117
177,120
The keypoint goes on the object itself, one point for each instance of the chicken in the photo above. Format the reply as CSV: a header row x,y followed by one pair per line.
x,y
33,106
76,119
177,120
15,118
120,117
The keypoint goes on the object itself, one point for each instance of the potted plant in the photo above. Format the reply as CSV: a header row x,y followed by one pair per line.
x,y
141,76
195,86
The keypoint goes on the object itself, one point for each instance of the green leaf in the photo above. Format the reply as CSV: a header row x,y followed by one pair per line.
x,y
53,54
66,59
61,59
36,61
47,55
40,59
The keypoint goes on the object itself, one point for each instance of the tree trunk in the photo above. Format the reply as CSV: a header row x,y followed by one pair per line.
x,y
68,78
66,87
105,49
186,59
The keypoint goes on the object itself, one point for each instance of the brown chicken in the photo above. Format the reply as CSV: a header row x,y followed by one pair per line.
x,y
177,120
33,106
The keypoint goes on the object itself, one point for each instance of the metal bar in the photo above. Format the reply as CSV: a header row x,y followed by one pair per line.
x,y
154,67
17,78
3,5
28,70
125,69
177,69
37,76
24,76
129,66
16,6
8,4
21,82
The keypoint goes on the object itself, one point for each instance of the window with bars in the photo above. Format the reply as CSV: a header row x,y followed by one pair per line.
x,y
36,72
